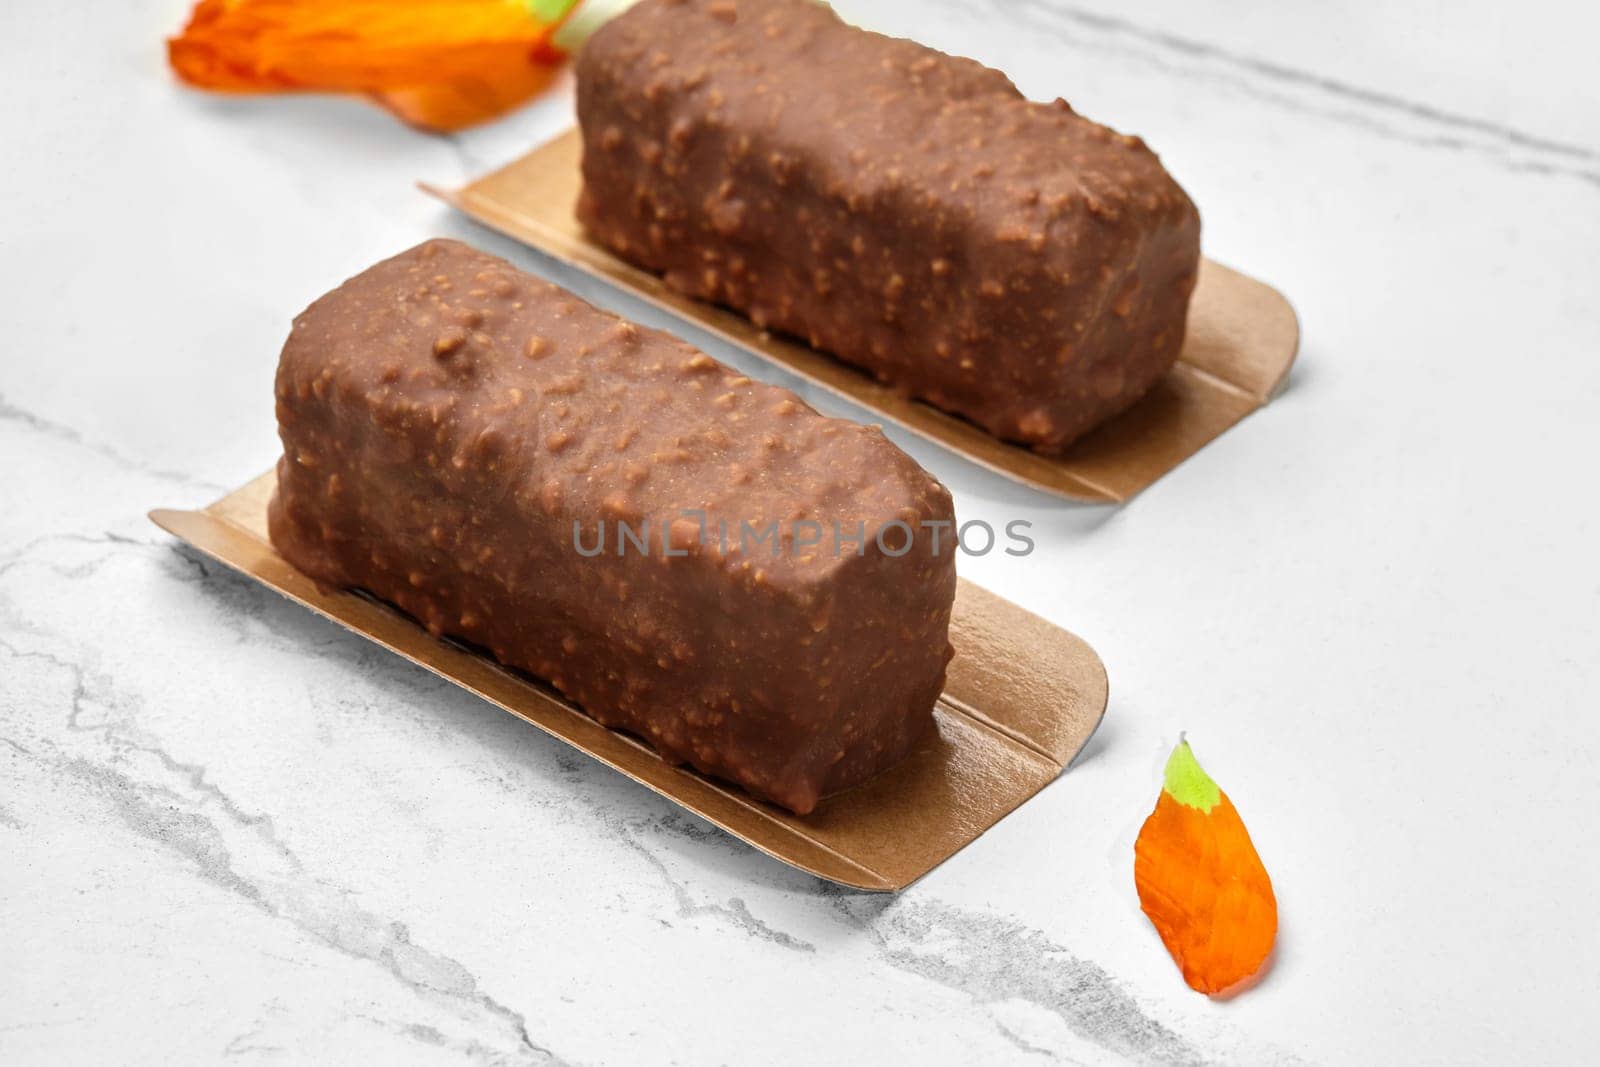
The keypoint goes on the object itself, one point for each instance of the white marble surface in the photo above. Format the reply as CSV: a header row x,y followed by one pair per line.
x,y
231,831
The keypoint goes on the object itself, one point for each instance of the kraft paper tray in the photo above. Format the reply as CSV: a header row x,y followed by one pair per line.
x,y
1242,339
1021,700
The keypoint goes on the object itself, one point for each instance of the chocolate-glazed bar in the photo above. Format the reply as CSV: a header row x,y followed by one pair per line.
x,y
463,440
907,211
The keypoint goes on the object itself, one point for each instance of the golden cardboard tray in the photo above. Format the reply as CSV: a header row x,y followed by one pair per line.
x,y
1241,342
1022,698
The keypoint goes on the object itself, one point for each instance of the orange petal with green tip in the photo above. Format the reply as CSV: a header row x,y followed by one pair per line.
x,y
1201,882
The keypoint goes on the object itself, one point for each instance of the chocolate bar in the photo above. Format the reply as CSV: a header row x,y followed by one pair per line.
x,y
908,211
691,556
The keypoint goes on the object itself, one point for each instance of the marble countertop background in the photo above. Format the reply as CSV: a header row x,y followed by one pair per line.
x,y
231,831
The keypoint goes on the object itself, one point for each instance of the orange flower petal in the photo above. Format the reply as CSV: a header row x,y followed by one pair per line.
x,y
442,108
352,45
1201,883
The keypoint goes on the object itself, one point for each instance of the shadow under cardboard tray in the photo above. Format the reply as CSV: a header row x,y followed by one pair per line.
x,y
1242,339
1021,699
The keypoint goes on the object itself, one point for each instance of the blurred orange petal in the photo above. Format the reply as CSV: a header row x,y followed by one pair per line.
x,y
354,45
443,108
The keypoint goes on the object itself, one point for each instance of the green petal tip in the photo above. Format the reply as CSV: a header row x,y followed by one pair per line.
x,y
548,11
1187,781
589,17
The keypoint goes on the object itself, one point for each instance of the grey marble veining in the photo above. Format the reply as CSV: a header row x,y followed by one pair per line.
x,y
99,734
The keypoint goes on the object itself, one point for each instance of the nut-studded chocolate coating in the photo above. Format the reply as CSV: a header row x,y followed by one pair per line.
x,y
446,421
908,211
